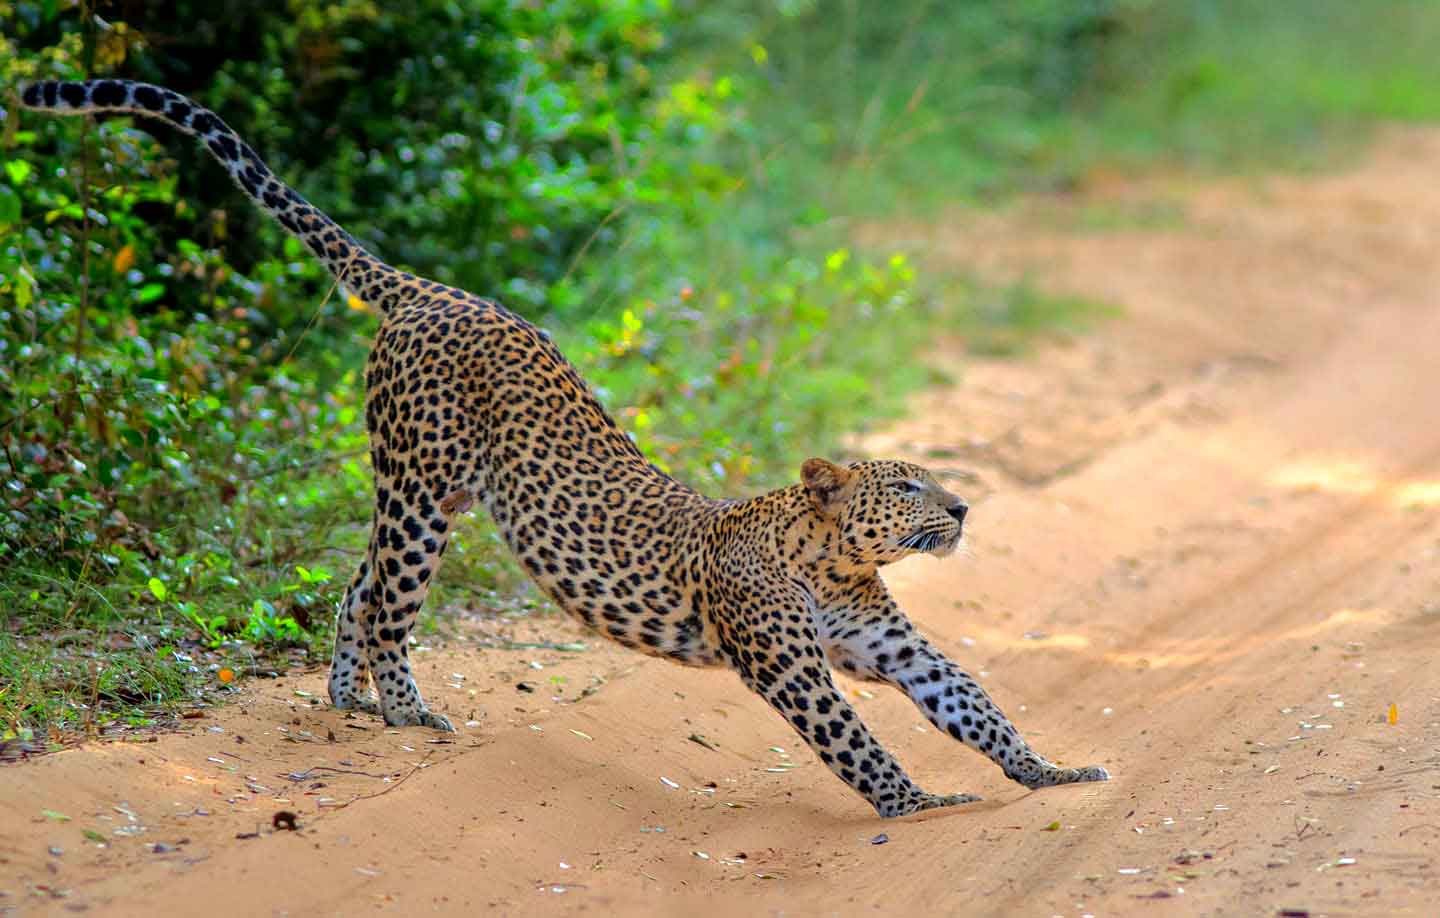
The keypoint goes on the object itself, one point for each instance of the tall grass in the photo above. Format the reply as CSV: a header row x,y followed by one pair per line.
x,y
933,105
1227,84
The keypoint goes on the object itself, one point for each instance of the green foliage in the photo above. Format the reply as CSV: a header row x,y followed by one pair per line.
x,y
732,383
267,628
491,141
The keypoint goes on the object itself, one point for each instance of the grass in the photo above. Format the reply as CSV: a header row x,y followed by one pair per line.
x,y
930,118
1244,84
100,651
76,682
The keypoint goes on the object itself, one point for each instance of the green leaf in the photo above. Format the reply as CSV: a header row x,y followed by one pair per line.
x,y
158,589
72,211
9,206
54,816
318,575
18,170
94,836
150,292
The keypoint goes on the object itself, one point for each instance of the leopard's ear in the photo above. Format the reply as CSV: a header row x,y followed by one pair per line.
x,y
829,485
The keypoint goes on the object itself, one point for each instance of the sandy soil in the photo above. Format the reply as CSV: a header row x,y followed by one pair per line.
x,y
1205,553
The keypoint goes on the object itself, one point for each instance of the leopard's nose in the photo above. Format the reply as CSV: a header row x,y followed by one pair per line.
x,y
958,511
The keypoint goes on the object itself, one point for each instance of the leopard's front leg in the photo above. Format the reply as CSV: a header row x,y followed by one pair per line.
x,y
787,668
871,638
955,703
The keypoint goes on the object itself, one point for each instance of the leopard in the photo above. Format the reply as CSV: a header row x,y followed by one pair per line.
x,y
467,403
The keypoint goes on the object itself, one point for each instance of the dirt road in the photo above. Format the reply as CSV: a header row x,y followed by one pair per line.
x,y
1205,552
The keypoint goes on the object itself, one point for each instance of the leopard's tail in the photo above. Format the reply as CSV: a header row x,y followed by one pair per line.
x,y
374,282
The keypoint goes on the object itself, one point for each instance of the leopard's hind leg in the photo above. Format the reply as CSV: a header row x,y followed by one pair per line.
x,y
423,418
866,635
411,532
349,664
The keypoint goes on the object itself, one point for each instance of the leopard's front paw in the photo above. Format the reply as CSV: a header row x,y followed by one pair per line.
x,y
1077,775
922,801
418,717
1043,774
435,721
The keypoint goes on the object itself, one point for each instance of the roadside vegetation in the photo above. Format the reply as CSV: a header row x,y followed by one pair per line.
x,y
669,187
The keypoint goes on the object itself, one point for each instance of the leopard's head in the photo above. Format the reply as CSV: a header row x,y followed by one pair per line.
x,y
884,509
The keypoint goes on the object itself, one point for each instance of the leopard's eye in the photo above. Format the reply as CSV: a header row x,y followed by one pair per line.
x,y
906,487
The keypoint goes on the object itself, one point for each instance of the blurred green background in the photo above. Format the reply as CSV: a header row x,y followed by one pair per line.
x,y
670,187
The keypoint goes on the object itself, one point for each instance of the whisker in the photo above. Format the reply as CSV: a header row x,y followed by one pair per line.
x,y
922,540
